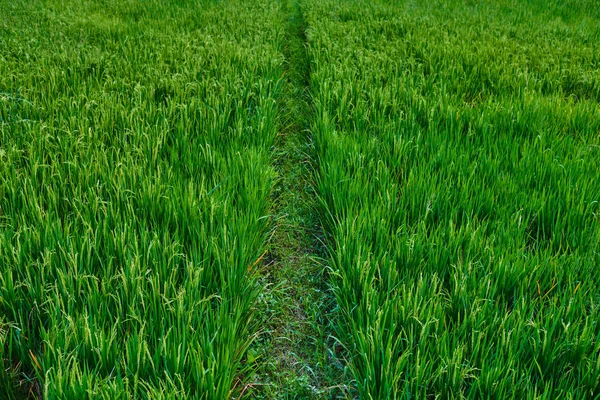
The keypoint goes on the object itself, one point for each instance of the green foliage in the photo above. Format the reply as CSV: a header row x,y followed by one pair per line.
x,y
458,153
457,166
134,183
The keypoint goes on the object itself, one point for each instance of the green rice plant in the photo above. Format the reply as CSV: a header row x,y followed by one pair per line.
x,y
459,185
458,171
134,199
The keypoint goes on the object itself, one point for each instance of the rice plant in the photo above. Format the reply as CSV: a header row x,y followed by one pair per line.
x,y
457,165
135,174
458,147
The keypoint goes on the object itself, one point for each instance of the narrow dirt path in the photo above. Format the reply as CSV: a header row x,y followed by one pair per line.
x,y
293,354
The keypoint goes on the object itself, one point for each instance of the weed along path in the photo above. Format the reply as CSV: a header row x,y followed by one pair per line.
x,y
293,356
